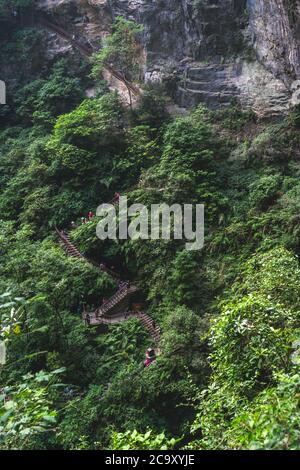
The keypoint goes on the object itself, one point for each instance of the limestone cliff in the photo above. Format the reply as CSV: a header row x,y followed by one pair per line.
x,y
214,51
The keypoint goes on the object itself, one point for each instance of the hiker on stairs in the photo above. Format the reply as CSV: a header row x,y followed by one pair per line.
x,y
116,198
123,285
150,357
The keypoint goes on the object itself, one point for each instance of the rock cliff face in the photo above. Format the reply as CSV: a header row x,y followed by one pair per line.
x,y
274,26
215,51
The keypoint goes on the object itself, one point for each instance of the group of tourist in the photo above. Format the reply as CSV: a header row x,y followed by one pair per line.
x,y
84,220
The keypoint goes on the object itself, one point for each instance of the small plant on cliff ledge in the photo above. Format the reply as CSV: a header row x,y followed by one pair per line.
x,y
121,50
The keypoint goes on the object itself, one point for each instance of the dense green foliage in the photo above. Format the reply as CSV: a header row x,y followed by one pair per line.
x,y
136,441
229,313
121,49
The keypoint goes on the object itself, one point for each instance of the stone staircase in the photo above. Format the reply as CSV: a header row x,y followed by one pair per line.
x,y
114,310
92,319
150,326
118,302
65,242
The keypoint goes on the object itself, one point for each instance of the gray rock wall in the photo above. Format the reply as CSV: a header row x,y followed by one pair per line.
x,y
219,51
274,26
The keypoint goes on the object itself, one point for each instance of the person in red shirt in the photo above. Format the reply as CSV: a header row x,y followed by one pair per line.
x,y
150,357
116,197
90,215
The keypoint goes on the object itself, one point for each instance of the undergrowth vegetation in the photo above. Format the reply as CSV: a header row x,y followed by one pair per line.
x,y
229,314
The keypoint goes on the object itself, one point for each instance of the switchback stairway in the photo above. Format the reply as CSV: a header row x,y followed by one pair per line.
x,y
114,310
147,322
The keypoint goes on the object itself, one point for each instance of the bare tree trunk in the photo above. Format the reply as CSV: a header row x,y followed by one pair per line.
x,y
128,89
130,97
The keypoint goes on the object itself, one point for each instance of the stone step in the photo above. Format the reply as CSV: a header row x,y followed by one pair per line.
x,y
190,99
207,95
124,316
117,301
211,86
211,76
